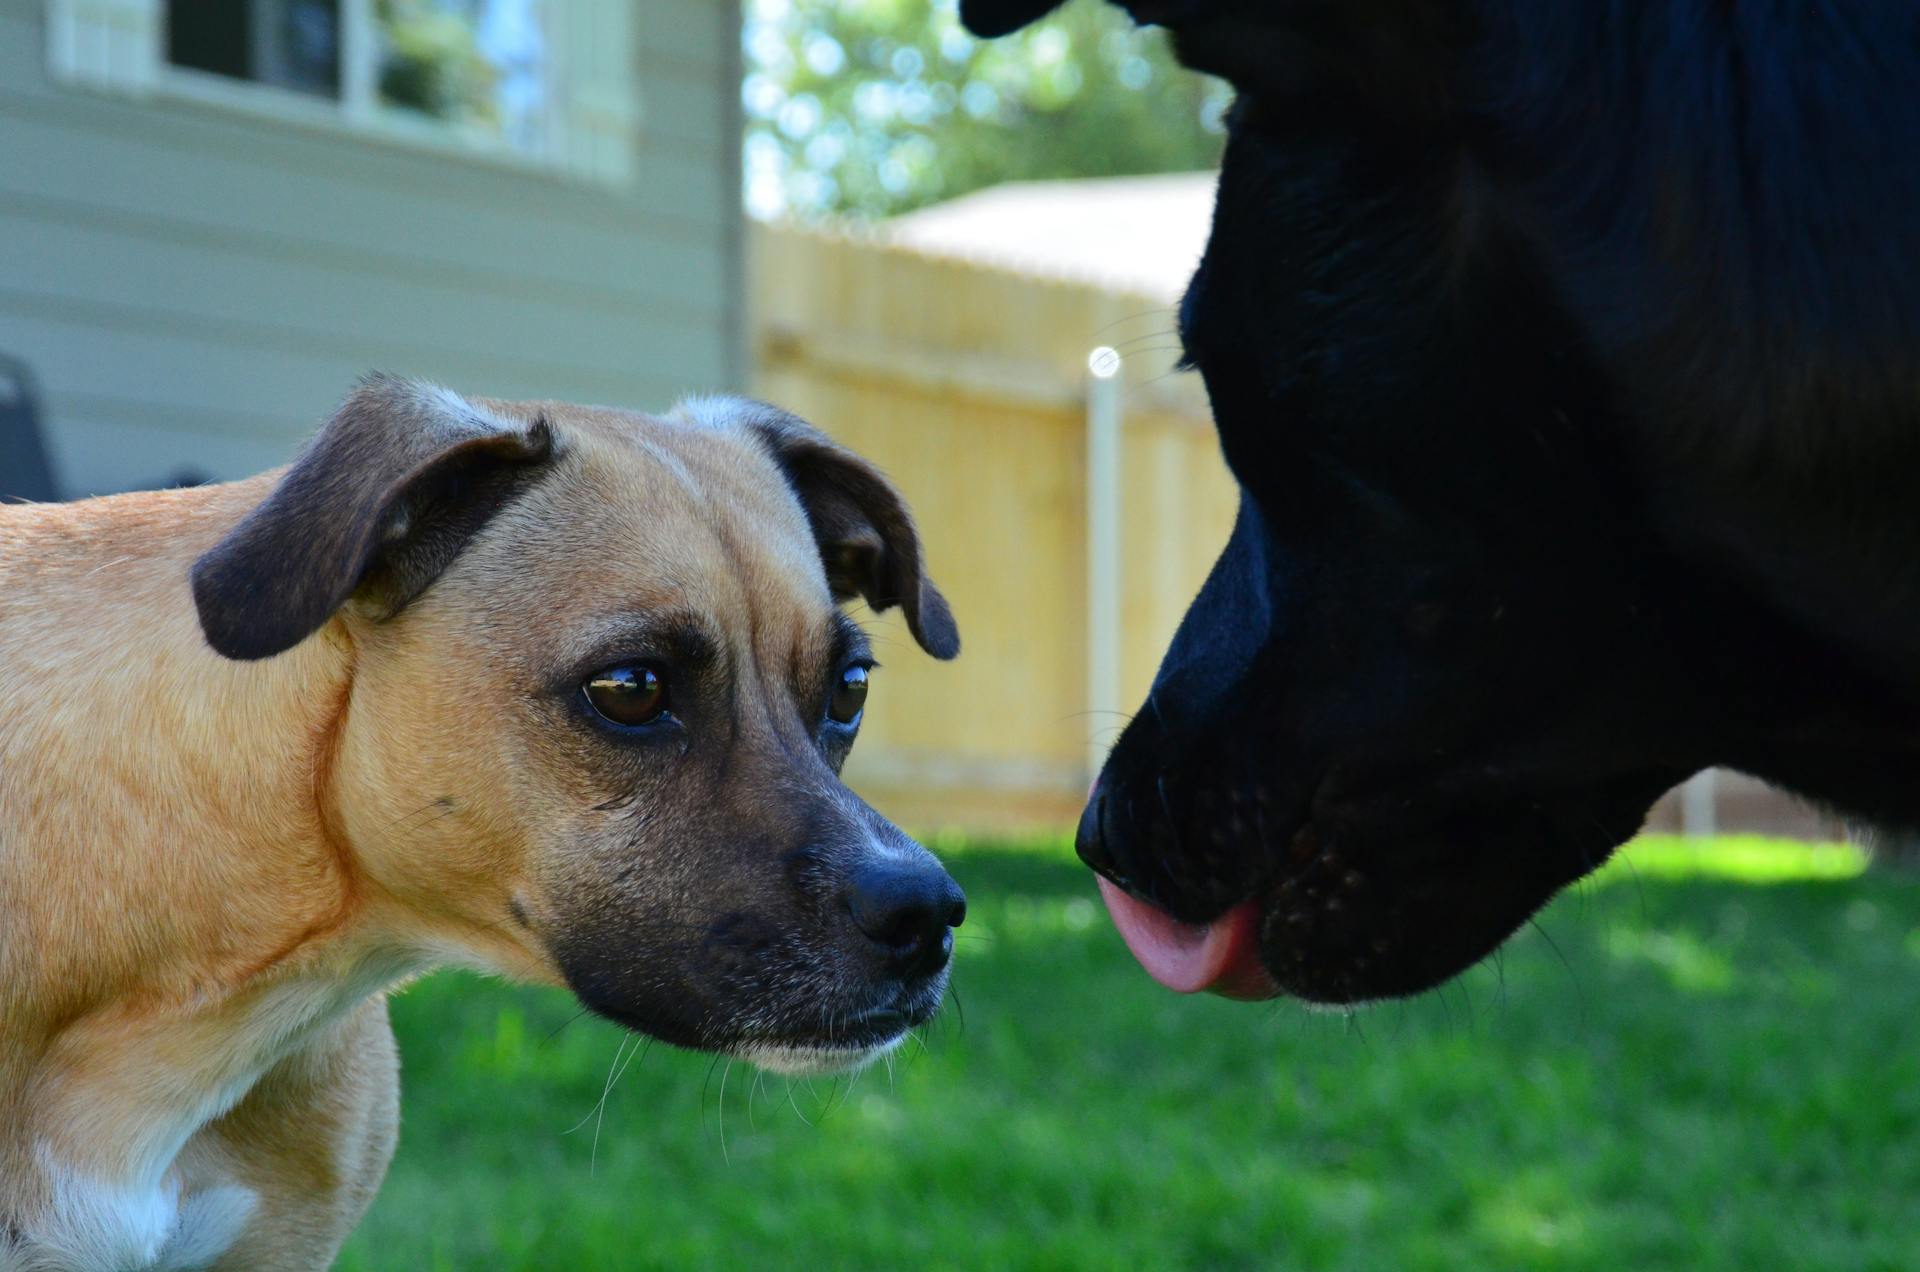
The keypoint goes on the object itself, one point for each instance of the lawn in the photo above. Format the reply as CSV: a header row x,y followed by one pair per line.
x,y
1703,1058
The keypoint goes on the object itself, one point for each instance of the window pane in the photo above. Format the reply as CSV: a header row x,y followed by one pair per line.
x,y
477,63
291,44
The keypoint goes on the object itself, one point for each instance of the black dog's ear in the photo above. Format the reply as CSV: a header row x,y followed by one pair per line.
x,y
380,502
989,18
1171,13
866,535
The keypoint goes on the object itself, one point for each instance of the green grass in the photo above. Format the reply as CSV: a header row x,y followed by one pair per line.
x,y
1710,1063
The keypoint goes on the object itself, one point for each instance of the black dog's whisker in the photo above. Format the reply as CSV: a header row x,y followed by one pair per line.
x,y
1133,345
1145,313
1579,988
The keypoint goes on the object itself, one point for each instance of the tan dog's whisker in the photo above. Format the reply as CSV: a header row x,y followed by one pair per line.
x,y
108,565
725,1073
796,1107
591,1114
559,1028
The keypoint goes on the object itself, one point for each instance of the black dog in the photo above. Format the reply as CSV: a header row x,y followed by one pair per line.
x,y
1568,357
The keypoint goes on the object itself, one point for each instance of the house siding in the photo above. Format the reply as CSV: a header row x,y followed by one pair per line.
x,y
195,287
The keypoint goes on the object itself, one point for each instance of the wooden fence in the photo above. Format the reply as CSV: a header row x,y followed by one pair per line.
x,y
970,387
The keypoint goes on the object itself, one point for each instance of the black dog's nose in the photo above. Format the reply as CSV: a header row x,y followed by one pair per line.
x,y
908,909
1098,841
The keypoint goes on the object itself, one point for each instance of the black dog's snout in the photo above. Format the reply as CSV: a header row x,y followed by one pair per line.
x,y
1099,842
908,909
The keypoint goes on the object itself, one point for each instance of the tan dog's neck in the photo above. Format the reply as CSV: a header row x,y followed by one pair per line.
x,y
139,1001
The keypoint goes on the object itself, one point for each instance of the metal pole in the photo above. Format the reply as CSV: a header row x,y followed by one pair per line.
x,y
1699,806
1103,552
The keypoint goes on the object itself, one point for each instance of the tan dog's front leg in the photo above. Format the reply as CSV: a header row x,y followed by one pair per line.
x,y
311,1141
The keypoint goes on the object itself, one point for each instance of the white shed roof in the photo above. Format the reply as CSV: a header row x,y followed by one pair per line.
x,y
1135,234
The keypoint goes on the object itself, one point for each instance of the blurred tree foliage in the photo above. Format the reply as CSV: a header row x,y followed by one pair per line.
x,y
432,62
874,107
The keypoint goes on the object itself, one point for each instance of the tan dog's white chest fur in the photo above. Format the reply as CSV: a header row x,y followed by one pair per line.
x,y
106,1226
213,865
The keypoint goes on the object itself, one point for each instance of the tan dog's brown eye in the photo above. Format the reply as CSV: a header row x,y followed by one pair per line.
x,y
630,695
849,696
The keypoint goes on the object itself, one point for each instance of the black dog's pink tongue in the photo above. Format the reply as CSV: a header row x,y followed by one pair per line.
x,y
1222,956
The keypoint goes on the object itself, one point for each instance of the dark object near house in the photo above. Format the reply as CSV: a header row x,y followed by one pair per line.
x,y
1568,357
24,470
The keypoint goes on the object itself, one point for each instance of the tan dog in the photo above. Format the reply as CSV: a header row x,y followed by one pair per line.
x,y
557,692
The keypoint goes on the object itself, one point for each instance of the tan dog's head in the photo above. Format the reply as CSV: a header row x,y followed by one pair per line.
x,y
600,700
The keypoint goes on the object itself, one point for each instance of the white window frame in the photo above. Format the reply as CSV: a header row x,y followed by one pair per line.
x,y
593,115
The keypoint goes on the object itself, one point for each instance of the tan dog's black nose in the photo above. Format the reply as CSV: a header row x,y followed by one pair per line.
x,y
908,909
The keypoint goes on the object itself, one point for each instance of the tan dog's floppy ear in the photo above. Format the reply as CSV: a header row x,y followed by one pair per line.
x,y
866,535
381,501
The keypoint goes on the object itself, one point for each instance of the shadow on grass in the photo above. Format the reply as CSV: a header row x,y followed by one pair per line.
x,y
1675,1069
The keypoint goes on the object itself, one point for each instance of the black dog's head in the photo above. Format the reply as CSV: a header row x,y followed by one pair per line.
x,y
1454,649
